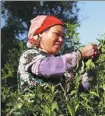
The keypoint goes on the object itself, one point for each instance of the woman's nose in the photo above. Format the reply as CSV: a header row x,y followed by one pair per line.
x,y
61,39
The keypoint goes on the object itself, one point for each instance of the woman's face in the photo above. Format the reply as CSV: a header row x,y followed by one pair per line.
x,y
52,39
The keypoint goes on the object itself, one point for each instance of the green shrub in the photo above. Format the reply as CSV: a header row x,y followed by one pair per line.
x,y
68,100
48,100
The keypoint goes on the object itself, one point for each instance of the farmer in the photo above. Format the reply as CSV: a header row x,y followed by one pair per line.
x,y
40,62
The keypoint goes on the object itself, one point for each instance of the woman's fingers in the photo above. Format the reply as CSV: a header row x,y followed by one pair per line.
x,y
96,50
93,44
90,51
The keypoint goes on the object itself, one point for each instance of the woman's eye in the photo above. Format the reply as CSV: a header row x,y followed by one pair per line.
x,y
57,34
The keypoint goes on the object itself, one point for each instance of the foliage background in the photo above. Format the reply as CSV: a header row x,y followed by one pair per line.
x,y
68,101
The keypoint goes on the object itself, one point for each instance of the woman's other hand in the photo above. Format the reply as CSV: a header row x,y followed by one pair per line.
x,y
90,51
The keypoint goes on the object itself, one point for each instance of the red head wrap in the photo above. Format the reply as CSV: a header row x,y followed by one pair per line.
x,y
41,23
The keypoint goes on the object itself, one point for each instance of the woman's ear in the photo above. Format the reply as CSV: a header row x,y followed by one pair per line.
x,y
36,40
40,35
35,37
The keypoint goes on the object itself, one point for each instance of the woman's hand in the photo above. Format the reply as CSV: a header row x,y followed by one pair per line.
x,y
90,51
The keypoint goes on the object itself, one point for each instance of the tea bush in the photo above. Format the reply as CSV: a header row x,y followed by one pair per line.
x,y
68,100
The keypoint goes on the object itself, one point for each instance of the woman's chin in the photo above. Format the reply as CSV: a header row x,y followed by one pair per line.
x,y
55,50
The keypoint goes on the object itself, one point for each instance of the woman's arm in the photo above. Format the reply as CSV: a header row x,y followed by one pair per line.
x,y
52,65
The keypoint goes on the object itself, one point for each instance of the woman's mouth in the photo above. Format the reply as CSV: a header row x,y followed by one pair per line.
x,y
59,44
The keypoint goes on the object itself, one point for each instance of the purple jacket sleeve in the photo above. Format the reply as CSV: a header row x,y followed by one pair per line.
x,y
52,65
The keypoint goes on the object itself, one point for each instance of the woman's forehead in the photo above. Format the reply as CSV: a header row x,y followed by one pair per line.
x,y
58,28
